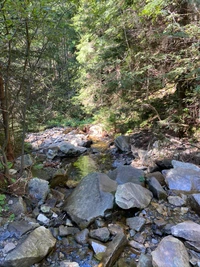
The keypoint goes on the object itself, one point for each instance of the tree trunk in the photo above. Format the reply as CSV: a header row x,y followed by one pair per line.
x,y
7,146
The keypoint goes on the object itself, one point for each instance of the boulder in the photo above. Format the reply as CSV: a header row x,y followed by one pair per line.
x,y
132,195
125,174
184,165
64,149
90,199
32,250
122,142
187,230
38,190
170,253
181,179
156,188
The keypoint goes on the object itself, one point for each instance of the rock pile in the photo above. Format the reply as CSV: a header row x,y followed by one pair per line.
x,y
126,217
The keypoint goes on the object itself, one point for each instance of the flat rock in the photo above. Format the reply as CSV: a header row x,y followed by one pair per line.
x,y
132,195
181,179
125,174
90,199
170,253
185,165
35,247
187,230
177,201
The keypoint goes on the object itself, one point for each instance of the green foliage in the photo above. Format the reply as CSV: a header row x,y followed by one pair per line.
x,y
2,202
9,165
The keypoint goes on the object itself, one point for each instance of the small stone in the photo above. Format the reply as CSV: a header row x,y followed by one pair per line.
x,y
141,248
45,209
43,219
101,234
177,201
136,223
82,236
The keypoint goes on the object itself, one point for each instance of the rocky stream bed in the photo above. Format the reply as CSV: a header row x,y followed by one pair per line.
x,y
85,200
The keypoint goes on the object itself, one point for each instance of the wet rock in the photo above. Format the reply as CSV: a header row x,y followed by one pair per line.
x,y
170,253
131,195
185,180
136,223
82,236
35,247
125,174
188,230
177,201
38,190
194,202
101,234
122,142
94,188
158,176
145,261
114,250
185,165
156,188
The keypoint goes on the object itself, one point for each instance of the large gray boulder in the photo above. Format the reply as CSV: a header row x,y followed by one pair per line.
x,y
90,199
125,174
170,253
188,230
132,195
181,179
35,247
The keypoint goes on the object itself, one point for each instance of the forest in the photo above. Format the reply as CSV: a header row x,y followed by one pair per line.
x,y
126,64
